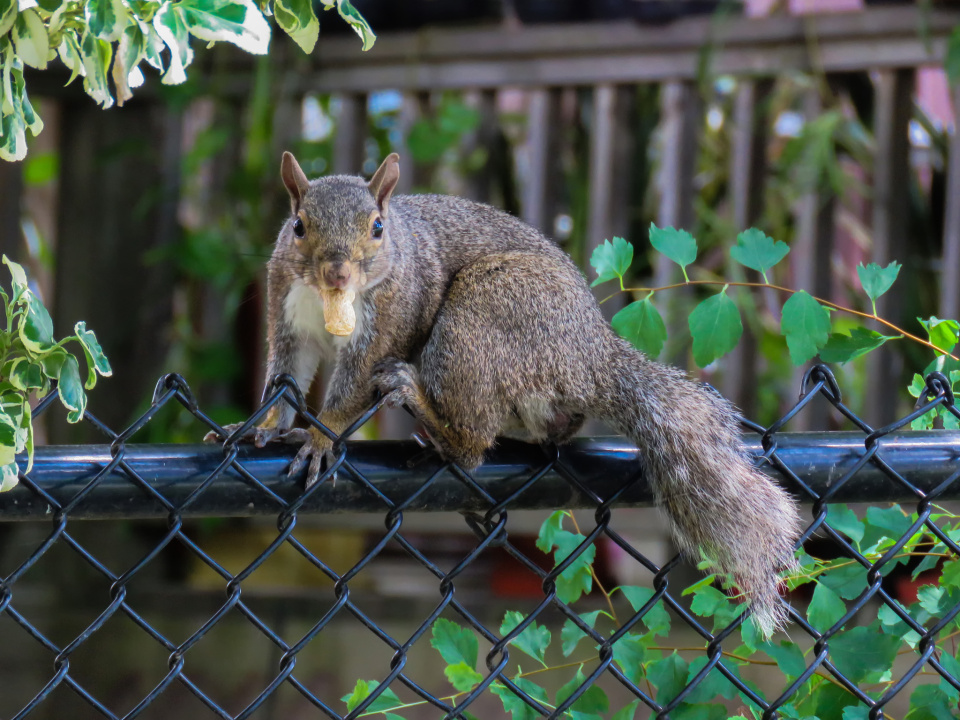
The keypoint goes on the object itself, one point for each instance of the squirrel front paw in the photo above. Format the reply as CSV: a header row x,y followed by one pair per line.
x,y
316,454
259,435
395,380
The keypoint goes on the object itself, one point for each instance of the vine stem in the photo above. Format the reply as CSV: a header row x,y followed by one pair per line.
x,y
613,613
780,288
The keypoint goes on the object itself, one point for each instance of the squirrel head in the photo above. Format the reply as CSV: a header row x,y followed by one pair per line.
x,y
338,234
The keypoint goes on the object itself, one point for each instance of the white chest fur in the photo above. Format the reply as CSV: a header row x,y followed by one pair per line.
x,y
303,311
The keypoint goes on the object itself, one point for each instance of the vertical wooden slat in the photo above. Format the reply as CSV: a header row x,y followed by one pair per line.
x,y
478,183
610,139
950,269
348,152
11,188
539,195
412,175
891,168
747,172
811,252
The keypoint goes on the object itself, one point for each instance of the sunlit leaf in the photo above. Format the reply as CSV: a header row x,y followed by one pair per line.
x,y
678,245
758,251
641,324
806,325
716,328
611,260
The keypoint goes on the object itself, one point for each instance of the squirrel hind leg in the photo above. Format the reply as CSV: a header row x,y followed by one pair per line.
x,y
461,442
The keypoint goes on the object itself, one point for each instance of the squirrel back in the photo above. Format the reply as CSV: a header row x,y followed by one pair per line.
x,y
475,321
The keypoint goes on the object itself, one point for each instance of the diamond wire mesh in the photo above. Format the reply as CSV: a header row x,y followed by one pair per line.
x,y
490,529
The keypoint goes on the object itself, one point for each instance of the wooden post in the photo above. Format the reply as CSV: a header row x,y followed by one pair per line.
x,y
11,187
891,170
747,173
348,151
543,124
478,184
412,175
811,255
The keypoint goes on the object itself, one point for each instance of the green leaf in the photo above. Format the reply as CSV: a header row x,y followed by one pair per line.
x,y
950,577
549,529
641,324
630,652
70,389
611,260
825,609
627,713
513,704
841,348
356,21
30,39
463,677
571,634
876,280
387,700
714,685
170,26
577,579
297,19
806,325
18,277
593,699
678,245
106,19
235,21
96,361
668,676
716,328
455,644
534,640
930,702
657,619
860,652
8,15
758,251
686,711
951,62
942,333
35,326
9,475
788,655
848,581
843,519
96,56
26,375
8,439
882,523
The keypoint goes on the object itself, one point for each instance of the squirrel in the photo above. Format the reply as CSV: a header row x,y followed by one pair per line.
x,y
474,320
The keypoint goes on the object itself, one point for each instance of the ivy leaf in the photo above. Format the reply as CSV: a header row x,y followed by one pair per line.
x,y
668,676
611,260
806,325
571,634
96,55
106,19
788,656
463,677
712,686
298,20
172,29
30,39
657,619
630,653
825,609
942,333
758,251
514,704
35,326
930,702
843,519
860,652
455,644
876,280
577,579
716,328
387,700
593,700
549,529
641,324
534,640
950,577
841,348
70,389
848,580
678,245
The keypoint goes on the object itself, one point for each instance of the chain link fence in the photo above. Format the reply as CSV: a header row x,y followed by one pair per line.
x,y
184,494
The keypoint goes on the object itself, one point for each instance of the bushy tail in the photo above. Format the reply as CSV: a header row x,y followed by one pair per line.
x,y
717,501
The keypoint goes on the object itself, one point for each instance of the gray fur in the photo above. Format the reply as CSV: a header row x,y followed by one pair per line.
x,y
475,320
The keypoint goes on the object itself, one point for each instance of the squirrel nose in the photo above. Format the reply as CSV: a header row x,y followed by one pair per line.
x,y
336,274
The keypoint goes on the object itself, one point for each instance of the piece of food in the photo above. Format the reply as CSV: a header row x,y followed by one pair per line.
x,y
338,312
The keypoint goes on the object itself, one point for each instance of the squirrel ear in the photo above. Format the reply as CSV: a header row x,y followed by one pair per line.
x,y
384,180
293,177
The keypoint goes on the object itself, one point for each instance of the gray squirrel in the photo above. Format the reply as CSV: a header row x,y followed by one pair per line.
x,y
475,321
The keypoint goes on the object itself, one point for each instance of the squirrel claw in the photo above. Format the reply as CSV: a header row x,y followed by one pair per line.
x,y
315,455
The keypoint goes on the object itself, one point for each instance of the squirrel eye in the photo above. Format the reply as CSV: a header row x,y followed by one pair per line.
x,y
377,230
298,228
